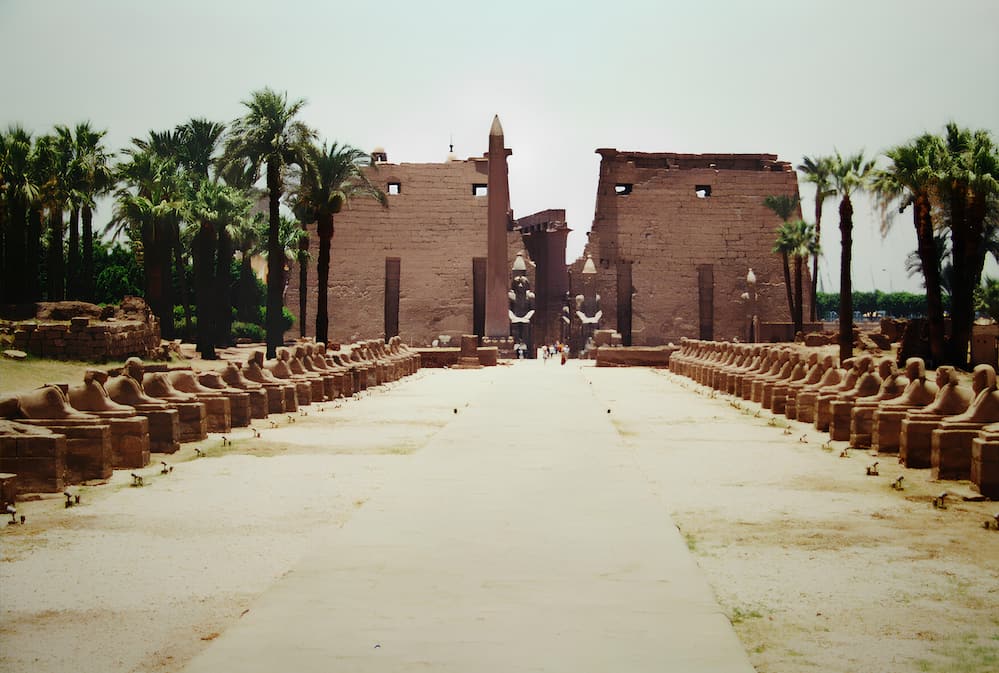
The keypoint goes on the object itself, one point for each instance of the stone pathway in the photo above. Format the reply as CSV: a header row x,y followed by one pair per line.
x,y
521,537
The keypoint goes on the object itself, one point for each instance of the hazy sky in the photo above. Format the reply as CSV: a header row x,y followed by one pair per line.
x,y
792,77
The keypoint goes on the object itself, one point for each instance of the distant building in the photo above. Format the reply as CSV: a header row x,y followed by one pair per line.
x,y
674,236
672,240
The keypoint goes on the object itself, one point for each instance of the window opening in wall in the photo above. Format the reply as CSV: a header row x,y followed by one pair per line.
x,y
395,188
623,188
702,191
479,189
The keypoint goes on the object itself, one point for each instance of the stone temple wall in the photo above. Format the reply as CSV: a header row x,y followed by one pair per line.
x,y
435,225
687,227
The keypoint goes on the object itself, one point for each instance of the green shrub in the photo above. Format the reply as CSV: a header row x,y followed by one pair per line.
x,y
248,330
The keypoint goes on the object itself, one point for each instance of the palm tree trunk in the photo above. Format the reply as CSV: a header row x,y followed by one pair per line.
x,y
303,277
798,295
787,285
73,255
33,255
325,231
15,251
845,280
813,315
926,249
181,270
204,290
275,262
57,263
87,267
223,281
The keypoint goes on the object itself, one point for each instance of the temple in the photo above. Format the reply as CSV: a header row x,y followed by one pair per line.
x,y
672,240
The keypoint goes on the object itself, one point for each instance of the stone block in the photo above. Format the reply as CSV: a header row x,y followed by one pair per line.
x,y
130,442
193,419
839,419
916,442
886,430
164,430
8,488
985,467
950,452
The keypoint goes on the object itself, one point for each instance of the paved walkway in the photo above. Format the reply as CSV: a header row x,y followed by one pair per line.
x,y
521,537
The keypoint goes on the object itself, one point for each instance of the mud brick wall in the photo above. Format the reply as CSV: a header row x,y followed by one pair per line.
x,y
88,340
39,461
435,225
649,214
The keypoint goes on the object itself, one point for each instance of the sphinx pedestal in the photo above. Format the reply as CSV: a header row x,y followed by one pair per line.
x,y
985,466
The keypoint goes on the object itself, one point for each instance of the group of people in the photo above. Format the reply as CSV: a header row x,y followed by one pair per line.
x,y
551,351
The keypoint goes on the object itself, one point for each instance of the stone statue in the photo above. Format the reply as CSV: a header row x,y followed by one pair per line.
x,y
588,303
521,309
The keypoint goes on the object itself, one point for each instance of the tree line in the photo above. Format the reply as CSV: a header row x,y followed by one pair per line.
x,y
950,184
189,193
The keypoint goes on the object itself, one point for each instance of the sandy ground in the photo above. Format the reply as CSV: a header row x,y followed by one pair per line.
x,y
818,566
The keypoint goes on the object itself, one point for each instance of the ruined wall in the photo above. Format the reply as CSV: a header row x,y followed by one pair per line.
x,y
435,225
649,216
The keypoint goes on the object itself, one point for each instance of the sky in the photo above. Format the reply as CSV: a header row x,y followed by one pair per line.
x,y
790,77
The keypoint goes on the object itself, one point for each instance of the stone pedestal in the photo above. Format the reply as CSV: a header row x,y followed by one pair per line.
x,y
258,403
218,413
886,430
38,460
129,442
950,450
985,466
8,488
193,419
164,429
488,356
823,411
861,425
469,357
88,447
916,441
276,396
839,419
239,407
805,405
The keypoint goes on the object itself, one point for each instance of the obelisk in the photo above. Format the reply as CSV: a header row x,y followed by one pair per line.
x,y
498,204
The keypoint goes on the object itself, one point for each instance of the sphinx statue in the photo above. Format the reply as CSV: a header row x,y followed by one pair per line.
x,y
951,443
952,399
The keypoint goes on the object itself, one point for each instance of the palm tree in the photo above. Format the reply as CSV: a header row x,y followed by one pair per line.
x,y
19,191
96,178
848,175
911,180
785,206
331,177
214,207
817,171
269,136
148,204
969,183
805,243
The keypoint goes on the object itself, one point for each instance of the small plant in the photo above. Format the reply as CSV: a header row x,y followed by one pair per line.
x,y
739,615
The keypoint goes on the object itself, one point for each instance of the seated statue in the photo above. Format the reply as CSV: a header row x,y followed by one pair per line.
x,y
521,309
